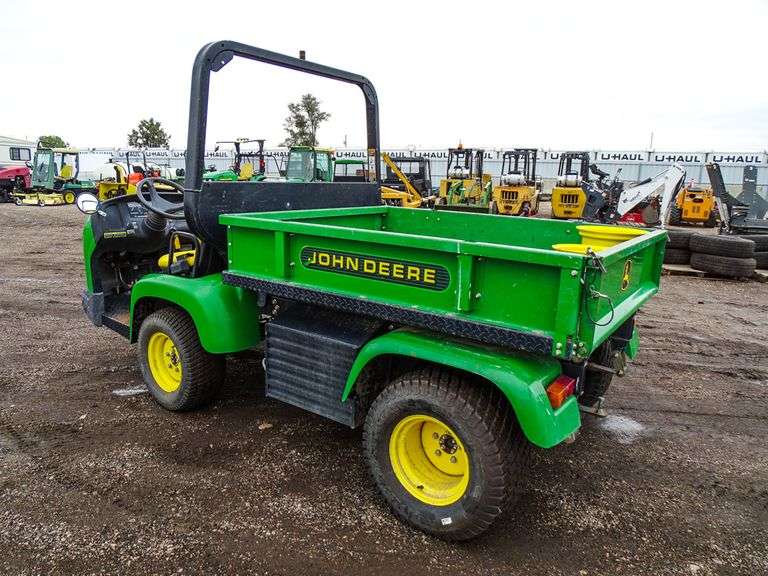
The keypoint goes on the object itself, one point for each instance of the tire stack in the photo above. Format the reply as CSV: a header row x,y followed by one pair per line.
x,y
678,249
729,256
761,249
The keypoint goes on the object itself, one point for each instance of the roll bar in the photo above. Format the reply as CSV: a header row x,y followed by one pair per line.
x,y
214,56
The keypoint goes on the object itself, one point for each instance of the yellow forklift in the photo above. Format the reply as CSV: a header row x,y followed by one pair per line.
x,y
694,205
465,182
568,199
517,193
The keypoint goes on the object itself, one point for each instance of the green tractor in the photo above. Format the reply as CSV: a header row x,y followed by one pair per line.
x,y
310,164
54,178
248,166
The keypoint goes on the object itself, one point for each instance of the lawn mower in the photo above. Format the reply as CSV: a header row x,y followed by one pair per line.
x,y
54,178
455,340
249,165
517,193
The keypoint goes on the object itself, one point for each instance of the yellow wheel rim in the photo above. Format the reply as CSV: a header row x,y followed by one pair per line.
x,y
69,198
429,460
164,362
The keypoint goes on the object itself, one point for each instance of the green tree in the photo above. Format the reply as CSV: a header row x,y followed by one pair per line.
x,y
304,117
52,141
149,134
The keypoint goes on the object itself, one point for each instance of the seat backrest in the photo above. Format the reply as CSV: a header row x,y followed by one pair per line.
x,y
246,171
66,172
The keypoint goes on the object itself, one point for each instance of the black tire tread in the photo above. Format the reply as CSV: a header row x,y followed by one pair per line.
x,y
678,238
723,265
760,240
504,453
677,256
203,372
731,246
761,260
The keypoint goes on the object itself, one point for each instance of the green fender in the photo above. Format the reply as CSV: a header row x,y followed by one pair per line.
x,y
521,377
226,317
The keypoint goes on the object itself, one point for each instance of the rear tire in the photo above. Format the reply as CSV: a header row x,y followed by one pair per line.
x,y
761,260
676,256
679,239
486,433
596,383
198,374
760,240
675,216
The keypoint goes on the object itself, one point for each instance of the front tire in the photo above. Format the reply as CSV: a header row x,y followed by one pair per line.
x,y
178,372
445,452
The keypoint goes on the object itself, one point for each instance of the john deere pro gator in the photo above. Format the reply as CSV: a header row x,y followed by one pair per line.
x,y
455,340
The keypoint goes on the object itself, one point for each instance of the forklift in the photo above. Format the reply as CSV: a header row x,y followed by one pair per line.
x,y
54,178
249,165
518,191
568,199
465,183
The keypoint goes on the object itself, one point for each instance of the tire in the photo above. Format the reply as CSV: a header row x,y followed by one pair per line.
x,y
69,197
712,220
483,424
732,246
723,265
18,202
760,240
675,216
761,260
596,383
678,239
677,256
199,374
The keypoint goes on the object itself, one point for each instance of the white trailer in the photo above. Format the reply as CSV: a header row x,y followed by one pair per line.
x,y
15,152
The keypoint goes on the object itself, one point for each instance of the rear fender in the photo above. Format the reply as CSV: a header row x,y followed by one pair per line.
x,y
226,317
521,377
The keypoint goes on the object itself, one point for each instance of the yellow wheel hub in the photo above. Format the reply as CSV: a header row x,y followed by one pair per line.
x,y
164,362
429,460
69,197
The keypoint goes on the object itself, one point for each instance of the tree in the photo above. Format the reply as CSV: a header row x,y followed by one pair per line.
x,y
149,134
303,120
52,141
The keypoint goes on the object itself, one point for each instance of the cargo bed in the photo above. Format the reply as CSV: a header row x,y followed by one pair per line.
x,y
492,279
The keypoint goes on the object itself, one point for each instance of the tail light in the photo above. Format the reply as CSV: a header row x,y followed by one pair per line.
x,y
560,389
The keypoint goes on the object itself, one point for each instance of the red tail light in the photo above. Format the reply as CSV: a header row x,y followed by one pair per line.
x,y
560,389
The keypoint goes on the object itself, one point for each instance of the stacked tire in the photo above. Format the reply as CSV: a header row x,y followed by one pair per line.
x,y
729,256
761,249
678,249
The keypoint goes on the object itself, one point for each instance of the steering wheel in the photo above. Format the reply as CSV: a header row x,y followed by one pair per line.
x,y
156,203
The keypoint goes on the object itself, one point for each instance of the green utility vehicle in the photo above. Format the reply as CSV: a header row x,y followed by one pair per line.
x,y
248,165
55,178
455,340
310,164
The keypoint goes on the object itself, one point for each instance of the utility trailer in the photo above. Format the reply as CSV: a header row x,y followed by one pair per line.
x,y
455,340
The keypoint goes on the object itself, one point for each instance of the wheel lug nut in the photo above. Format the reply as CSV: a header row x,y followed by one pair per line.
x,y
435,435
453,459
437,452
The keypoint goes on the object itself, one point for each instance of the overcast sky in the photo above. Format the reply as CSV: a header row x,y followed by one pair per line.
x,y
551,74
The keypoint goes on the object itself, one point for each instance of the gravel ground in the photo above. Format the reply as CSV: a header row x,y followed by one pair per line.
x,y
95,478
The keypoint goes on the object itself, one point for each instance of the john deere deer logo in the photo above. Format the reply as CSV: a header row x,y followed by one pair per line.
x,y
627,275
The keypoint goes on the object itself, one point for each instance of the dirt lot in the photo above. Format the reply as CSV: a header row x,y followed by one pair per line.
x,y
674,481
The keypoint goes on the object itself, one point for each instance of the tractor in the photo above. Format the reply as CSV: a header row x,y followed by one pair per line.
x,y
310,164
465,183
517,193
54,178
249,165
568,198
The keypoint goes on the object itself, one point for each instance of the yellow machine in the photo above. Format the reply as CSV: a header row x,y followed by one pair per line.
x,y
465,182
694,205
111,188
517,193
568,198
409,197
